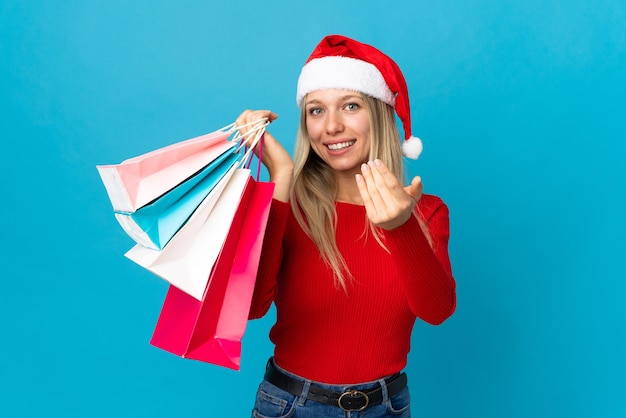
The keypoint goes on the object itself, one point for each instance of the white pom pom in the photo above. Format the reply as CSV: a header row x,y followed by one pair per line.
x,y
412,147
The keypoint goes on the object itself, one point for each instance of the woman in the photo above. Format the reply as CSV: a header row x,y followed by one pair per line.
x,y
350,258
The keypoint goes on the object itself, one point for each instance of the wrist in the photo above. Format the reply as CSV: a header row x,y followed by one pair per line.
x,y
282,176
282,184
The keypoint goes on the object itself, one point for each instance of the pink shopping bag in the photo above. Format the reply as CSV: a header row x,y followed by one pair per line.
x,y
140,180
211,330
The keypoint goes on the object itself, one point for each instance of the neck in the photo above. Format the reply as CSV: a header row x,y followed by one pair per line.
x,y
347,189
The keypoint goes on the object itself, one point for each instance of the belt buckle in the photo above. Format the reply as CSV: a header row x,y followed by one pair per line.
x,y
350,397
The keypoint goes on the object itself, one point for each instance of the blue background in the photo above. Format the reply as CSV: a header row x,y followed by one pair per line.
x,y
521,108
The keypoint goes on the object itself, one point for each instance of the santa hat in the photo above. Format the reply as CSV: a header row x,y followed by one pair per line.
x,y
338,62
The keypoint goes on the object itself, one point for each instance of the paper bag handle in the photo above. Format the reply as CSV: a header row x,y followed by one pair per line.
x,y
258,132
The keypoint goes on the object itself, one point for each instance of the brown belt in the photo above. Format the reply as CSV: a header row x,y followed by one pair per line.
x,y
349,400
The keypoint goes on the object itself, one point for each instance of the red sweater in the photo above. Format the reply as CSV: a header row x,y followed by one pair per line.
x,y
327,335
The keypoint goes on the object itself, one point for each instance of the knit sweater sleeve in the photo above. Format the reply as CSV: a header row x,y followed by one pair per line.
x,y
271,259
424,268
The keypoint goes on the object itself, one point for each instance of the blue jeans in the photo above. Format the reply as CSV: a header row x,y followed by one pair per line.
x,y
272,402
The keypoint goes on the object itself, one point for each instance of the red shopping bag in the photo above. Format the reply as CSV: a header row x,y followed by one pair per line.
x,y
211,330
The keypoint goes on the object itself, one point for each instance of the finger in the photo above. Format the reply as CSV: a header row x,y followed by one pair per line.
x,y
372,187
415,188
396,200
368,192
387,184
243,118
243,122
383,207
271,117
264,114
246,125
370,208
365,196
249,116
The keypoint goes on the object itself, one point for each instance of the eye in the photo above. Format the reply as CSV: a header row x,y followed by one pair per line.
x,y
352,106
315,111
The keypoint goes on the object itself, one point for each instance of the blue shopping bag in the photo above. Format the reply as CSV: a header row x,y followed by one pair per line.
x,y
155,224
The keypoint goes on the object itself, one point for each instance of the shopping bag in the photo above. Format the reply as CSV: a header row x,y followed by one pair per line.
x,y
138,181
155,224
211,329
187,260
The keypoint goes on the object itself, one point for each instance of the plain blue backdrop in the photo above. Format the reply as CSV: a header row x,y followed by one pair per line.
x,y
521,107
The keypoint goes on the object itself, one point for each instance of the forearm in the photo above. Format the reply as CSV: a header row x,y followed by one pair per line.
x,y
274,157
282,184
426,274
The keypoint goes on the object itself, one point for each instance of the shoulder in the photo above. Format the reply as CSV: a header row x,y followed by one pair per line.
x,y
430,204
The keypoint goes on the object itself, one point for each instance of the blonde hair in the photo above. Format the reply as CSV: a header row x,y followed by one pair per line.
x,y
314,190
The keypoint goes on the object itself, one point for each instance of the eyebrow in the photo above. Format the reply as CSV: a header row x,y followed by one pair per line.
x,y
340,99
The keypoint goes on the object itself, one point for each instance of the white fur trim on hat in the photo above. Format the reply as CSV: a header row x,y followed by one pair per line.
x,y
334,72
412,147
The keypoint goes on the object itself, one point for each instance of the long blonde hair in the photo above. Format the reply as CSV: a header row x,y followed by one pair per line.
x,y
314,190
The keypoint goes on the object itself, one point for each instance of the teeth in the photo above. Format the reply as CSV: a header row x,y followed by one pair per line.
x,y
341,145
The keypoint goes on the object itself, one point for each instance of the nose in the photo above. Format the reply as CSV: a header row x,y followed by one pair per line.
x,y
334,123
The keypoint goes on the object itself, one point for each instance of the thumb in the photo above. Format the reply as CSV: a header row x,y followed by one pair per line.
x,y
272,116
415,189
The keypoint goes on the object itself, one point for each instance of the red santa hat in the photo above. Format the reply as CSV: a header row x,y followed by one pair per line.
x,y
338,62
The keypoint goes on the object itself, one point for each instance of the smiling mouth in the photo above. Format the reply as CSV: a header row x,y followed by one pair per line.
x,y
340,146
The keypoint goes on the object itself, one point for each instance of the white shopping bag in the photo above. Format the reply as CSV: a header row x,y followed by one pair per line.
x,y
186,261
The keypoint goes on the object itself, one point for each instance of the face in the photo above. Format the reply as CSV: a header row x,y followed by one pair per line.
x,y
338,125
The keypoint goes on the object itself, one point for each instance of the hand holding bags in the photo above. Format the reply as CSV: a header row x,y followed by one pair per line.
x,y
211,260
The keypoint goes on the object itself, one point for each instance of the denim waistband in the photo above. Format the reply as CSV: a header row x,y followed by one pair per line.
x,y
307,384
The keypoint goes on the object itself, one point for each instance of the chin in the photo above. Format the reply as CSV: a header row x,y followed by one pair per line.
x,y
345,166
